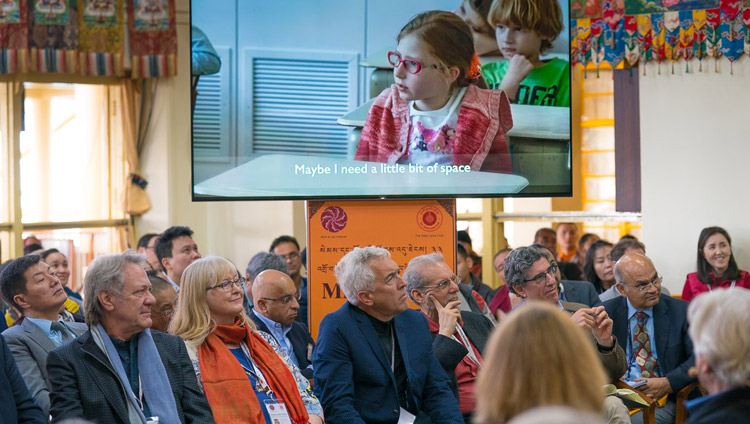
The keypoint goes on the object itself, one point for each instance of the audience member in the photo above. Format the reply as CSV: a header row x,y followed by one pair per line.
x,y
176,250
567,239
288,248
275,310
59,267
628,237
458,337
625,245
584,243
147,247
32,244
467,278
718,328
570,291
16,403
716,265
599,266
120,371
531,275
501,301
474,13
537,357
557,415
244,373
166,300
642,315
464,239
547,237
374,360
259,263
29,285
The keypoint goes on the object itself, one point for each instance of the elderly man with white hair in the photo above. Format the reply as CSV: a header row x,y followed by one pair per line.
x,y
374,361
721,341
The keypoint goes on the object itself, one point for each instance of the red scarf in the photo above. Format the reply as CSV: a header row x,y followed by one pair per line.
x,y
227,387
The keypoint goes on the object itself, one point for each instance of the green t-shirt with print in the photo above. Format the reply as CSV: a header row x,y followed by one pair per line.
x,y
546,85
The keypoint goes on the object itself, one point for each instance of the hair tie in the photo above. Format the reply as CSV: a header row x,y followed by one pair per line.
x,y
474,73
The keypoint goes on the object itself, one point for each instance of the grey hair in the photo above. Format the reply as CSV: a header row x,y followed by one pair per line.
x,y
105,274
413,273
353,272
518,262
718,327
263,261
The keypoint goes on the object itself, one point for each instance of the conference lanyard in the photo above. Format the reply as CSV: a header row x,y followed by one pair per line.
x,y
465,341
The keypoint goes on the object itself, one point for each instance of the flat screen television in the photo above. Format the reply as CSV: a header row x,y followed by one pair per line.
x,y
281,117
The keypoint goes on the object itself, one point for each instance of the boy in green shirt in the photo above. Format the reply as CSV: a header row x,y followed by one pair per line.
x,y
525,29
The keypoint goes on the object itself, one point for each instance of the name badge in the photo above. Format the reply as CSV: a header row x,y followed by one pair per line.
x,y
406,417
277,412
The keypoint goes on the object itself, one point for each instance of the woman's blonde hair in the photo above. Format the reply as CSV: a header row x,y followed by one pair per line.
x,y
192,318
538,357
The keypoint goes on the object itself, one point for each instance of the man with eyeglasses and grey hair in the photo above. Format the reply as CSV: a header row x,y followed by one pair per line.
x,y
374,360
275,309
652,328
530,275
459,337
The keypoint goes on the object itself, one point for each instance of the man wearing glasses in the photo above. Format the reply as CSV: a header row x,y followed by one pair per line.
x,y
288,248
275,310
459,337
653,330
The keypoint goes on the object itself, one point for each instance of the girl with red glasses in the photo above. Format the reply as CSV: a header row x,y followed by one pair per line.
x,y
435,113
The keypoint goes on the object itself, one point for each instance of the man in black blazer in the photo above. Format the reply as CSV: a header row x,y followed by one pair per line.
x,y
459,337
275,311
16,403
120,371
665,323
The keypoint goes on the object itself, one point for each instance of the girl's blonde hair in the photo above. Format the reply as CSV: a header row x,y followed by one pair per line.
x,y
192,318
541,16
538,357
449,39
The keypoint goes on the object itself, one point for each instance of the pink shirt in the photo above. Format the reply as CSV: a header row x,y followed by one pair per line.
x,y
694,286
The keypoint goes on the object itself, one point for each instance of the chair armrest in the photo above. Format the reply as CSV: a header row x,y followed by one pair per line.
x,y
682,395
649,413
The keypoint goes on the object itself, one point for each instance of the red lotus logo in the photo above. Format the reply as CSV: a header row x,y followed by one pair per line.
x,y
333,219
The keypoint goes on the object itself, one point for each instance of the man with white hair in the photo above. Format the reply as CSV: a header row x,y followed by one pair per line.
x,y
373,360
718,328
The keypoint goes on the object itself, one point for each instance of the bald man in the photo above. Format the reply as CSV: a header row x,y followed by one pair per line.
x,y
652,328
275,310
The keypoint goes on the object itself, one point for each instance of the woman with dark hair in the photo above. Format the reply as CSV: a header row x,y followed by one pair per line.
x,y
716,265
598,268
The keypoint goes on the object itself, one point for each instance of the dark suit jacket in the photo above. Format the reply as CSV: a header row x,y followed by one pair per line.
x,y
674,349
302,343
353,376
580,292
30,347
16,403
732,406
84,384
449,352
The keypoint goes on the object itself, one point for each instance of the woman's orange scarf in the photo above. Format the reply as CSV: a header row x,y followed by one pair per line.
x,y
227,387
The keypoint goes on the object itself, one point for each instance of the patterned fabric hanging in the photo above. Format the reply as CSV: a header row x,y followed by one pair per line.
x,y
713,36
687,36
14,36
153,38
645,40
574,43
672,37
53,35
658,39
614,31
597,41
746,21
101,32
631,40
699,36
584,41
732,29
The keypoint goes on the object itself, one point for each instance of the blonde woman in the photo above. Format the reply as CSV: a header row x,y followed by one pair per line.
x,y
244,373
538,357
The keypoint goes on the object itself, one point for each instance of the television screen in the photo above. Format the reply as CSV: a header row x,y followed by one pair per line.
x,y
319,99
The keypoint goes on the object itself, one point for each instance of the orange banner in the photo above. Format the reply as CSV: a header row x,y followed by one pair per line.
x,y
407,228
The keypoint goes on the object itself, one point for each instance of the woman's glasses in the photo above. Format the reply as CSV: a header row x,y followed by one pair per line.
x,y
226,286
412,66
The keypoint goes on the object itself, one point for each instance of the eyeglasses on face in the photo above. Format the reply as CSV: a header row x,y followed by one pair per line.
x,y
443,284
642,286
412,66
165,313
290,256
284,300
226,286
540,278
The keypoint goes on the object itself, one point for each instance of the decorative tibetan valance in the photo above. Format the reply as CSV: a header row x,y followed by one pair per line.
x,y
87,37
631,31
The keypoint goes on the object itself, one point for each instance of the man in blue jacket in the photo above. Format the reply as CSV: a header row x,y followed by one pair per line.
x,y
374,361
16,403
